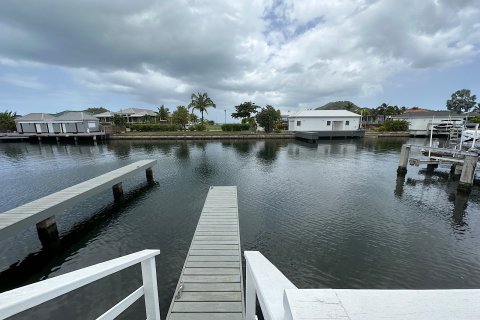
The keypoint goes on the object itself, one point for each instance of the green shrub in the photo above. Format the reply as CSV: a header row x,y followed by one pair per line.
x,y
235,127
154,127
474,119
199,127
393,126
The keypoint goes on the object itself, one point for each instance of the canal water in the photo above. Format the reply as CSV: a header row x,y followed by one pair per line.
x,y
331,215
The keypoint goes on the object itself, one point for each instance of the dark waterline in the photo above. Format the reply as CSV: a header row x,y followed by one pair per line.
x,y
332,215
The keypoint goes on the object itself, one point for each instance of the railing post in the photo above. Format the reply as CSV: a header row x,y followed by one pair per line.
x,y
250,296
149,276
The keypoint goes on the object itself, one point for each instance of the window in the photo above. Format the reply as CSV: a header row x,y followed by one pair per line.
x,y
329,123
299,123
347,123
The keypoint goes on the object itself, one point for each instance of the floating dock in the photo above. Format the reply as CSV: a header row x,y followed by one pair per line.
x,y
42,211
210,285
312,136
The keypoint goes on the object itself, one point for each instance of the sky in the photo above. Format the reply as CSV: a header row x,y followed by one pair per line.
x,y
293,55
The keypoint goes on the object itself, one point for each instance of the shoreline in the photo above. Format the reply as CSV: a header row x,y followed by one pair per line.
x,y
202,137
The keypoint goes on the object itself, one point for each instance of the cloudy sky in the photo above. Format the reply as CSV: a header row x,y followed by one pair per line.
x,y
57,55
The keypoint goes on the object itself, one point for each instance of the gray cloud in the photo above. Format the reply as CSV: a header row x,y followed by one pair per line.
x,y
287,53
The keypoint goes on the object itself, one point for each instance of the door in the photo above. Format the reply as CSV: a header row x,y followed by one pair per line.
x,y
50,128
38,127
337,125
64,128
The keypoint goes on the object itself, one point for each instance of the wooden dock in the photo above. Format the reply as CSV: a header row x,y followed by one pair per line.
x,y
42,211
210,285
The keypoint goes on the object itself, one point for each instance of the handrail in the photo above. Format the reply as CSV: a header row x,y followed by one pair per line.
x,y
265,281
23,298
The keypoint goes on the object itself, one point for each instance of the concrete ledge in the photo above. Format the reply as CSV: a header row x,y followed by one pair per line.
x,y
204,137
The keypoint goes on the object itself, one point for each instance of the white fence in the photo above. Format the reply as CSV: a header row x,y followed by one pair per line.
x,y
21,299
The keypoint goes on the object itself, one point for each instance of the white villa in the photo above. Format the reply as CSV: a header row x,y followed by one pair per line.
x,y
324,120
131,115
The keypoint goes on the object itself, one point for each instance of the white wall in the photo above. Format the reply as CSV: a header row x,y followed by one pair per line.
x,y
320,124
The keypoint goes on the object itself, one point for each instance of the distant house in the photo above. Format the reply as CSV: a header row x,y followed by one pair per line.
x,y
324,120
69,122
131,115
421,122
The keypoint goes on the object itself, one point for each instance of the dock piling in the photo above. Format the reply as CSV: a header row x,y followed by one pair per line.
x,y
117,191
402,164
149,174
431,167
468,173
47,230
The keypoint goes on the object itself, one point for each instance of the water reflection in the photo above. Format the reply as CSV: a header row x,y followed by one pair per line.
x,y
183,151
121,149
243,148
268,153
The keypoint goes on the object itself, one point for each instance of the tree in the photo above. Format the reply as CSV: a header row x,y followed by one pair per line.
x,y
268,117
96,110
200,102
193,118
118,120
181,116
162,113
461,101
245,111
7,121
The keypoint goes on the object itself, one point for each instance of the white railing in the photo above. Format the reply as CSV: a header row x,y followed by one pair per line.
x,y
265,281
21,299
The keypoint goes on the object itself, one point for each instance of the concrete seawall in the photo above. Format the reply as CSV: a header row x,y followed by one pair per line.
x,y
204,137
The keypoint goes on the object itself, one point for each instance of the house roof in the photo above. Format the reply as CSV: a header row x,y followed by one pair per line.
x,y
105,114
75,116
36,117
325,113
429,114
137,112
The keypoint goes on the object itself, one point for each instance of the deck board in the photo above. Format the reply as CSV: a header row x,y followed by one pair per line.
x,y
24,216
212,273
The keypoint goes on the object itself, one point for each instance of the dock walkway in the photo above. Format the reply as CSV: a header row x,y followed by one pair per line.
x,y
40,210
210,285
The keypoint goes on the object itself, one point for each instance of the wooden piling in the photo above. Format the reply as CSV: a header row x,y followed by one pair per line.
x,y
149,174
117,191
468,173
403,162
47,230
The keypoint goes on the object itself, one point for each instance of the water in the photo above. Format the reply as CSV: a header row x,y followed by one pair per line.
x,y
332,215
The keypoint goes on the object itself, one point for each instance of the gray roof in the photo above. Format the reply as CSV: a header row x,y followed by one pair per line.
x,y
36,117
137,112
429,114
75,116
105,114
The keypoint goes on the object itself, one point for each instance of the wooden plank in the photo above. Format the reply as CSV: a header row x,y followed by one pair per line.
x,y
203,242
198,246
207,316
213,258
213,252
214,287
210,296
212,271
216,238
201,307
212,264
203,278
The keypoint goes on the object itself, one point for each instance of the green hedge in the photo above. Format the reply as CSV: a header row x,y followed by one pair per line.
x,y
394,125
235,127
154,127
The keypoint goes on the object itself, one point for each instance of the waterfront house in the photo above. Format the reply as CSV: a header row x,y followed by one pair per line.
x,y
34,123
77,122
420,123
131,115
324,120
69,122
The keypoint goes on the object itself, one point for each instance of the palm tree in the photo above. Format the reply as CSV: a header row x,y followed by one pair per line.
x,y
201,101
